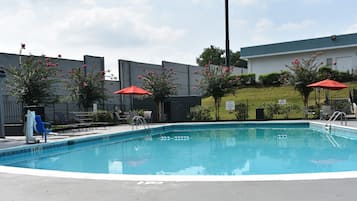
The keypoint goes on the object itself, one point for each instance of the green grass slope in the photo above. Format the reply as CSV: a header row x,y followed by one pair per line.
x,y
256,97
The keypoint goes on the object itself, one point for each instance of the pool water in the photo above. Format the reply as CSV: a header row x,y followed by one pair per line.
x,y
228,150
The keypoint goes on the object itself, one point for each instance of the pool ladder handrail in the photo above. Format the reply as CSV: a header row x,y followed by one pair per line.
x,y
139,120
334,117
332,140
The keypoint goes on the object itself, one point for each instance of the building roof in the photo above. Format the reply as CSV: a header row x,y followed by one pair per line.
x,y
315,44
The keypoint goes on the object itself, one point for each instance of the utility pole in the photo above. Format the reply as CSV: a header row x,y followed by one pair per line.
x,y
2,116
227,34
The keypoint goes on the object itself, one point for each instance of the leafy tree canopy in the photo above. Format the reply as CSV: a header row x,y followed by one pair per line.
x,y
31,82
304,72
161,85
218,81
215,55
86,88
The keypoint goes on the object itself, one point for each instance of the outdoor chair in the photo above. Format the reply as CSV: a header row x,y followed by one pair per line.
x,y
325,112
147,115
42,128
121,117
353,113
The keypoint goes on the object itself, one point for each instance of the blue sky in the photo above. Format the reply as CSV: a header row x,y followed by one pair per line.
x,y
155,30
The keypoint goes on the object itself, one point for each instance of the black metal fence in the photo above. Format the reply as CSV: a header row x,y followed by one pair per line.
x,y
58,113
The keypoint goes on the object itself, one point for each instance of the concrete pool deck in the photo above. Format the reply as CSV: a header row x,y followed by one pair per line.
x,y
19,187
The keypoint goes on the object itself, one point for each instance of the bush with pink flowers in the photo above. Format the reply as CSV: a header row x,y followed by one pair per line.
x,y
216,82
32,80
86,88
161,85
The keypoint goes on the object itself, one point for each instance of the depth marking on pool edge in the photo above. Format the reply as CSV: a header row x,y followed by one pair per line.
x,y
150,182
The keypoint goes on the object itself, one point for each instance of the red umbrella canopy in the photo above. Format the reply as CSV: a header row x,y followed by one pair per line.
x,y
135,90
328,84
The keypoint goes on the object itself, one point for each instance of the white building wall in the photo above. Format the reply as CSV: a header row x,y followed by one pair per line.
x,y
239,71
342,60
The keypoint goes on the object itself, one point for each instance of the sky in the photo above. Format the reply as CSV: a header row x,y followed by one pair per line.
x,y
150,31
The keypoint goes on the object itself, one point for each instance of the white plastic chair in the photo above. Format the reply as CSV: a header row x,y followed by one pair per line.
x,y
147,115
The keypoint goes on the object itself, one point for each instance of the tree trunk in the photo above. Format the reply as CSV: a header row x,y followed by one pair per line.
x,y
217,103
306,106
159,107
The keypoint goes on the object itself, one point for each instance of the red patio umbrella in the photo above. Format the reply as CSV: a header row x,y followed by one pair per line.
x,y
134,90
328,84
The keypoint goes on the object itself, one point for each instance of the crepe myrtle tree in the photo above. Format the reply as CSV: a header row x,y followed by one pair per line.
x,y
218,81
161,85
304,72
31,82
86,88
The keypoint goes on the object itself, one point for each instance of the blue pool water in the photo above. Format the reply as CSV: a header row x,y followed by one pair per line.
x,y
220,149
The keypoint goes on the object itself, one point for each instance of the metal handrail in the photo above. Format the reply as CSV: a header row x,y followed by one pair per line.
x,y
139,120
334,117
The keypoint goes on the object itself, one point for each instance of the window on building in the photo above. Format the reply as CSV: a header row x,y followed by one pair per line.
x,y
329,62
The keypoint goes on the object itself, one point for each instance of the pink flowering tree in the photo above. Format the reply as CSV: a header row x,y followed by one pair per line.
x,y
304,72
86,88
218,81
32,80
161,85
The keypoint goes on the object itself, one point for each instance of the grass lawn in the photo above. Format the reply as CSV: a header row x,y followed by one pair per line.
x,y
256,97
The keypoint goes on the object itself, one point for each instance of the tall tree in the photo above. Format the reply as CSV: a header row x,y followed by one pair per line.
x,y
31,82
215,55
304,72
211,55
86,88
161,85
216,82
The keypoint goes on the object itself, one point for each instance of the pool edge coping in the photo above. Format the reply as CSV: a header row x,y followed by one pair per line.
x,y
185,178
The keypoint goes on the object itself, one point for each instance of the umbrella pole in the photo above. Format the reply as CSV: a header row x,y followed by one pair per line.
x,y
131,103
315,97
319,100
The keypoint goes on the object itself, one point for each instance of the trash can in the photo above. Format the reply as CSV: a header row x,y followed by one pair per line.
x,y
259,112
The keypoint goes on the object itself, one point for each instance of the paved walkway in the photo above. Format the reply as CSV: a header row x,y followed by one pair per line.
x,y
33,188
12,141
18,187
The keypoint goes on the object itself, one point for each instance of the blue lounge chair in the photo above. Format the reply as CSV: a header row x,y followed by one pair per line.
x,y
42,127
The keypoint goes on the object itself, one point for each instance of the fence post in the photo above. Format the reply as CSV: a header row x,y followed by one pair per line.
x,y
247,112
67,114
54,111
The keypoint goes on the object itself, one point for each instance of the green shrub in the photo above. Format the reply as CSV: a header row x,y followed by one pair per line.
x,y
272,79
271,109
345,76
199,113
139,112
241,111
327,73
103,116
286,109
247,79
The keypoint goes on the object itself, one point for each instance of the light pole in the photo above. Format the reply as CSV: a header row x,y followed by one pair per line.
x,y
227,34
23,46
2,126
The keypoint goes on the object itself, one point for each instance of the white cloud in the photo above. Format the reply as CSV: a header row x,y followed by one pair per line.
x,y
113,29
116,26
290,26
246,2
351,29
250,3
263,25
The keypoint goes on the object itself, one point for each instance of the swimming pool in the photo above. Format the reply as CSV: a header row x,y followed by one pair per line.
x,y
199,149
